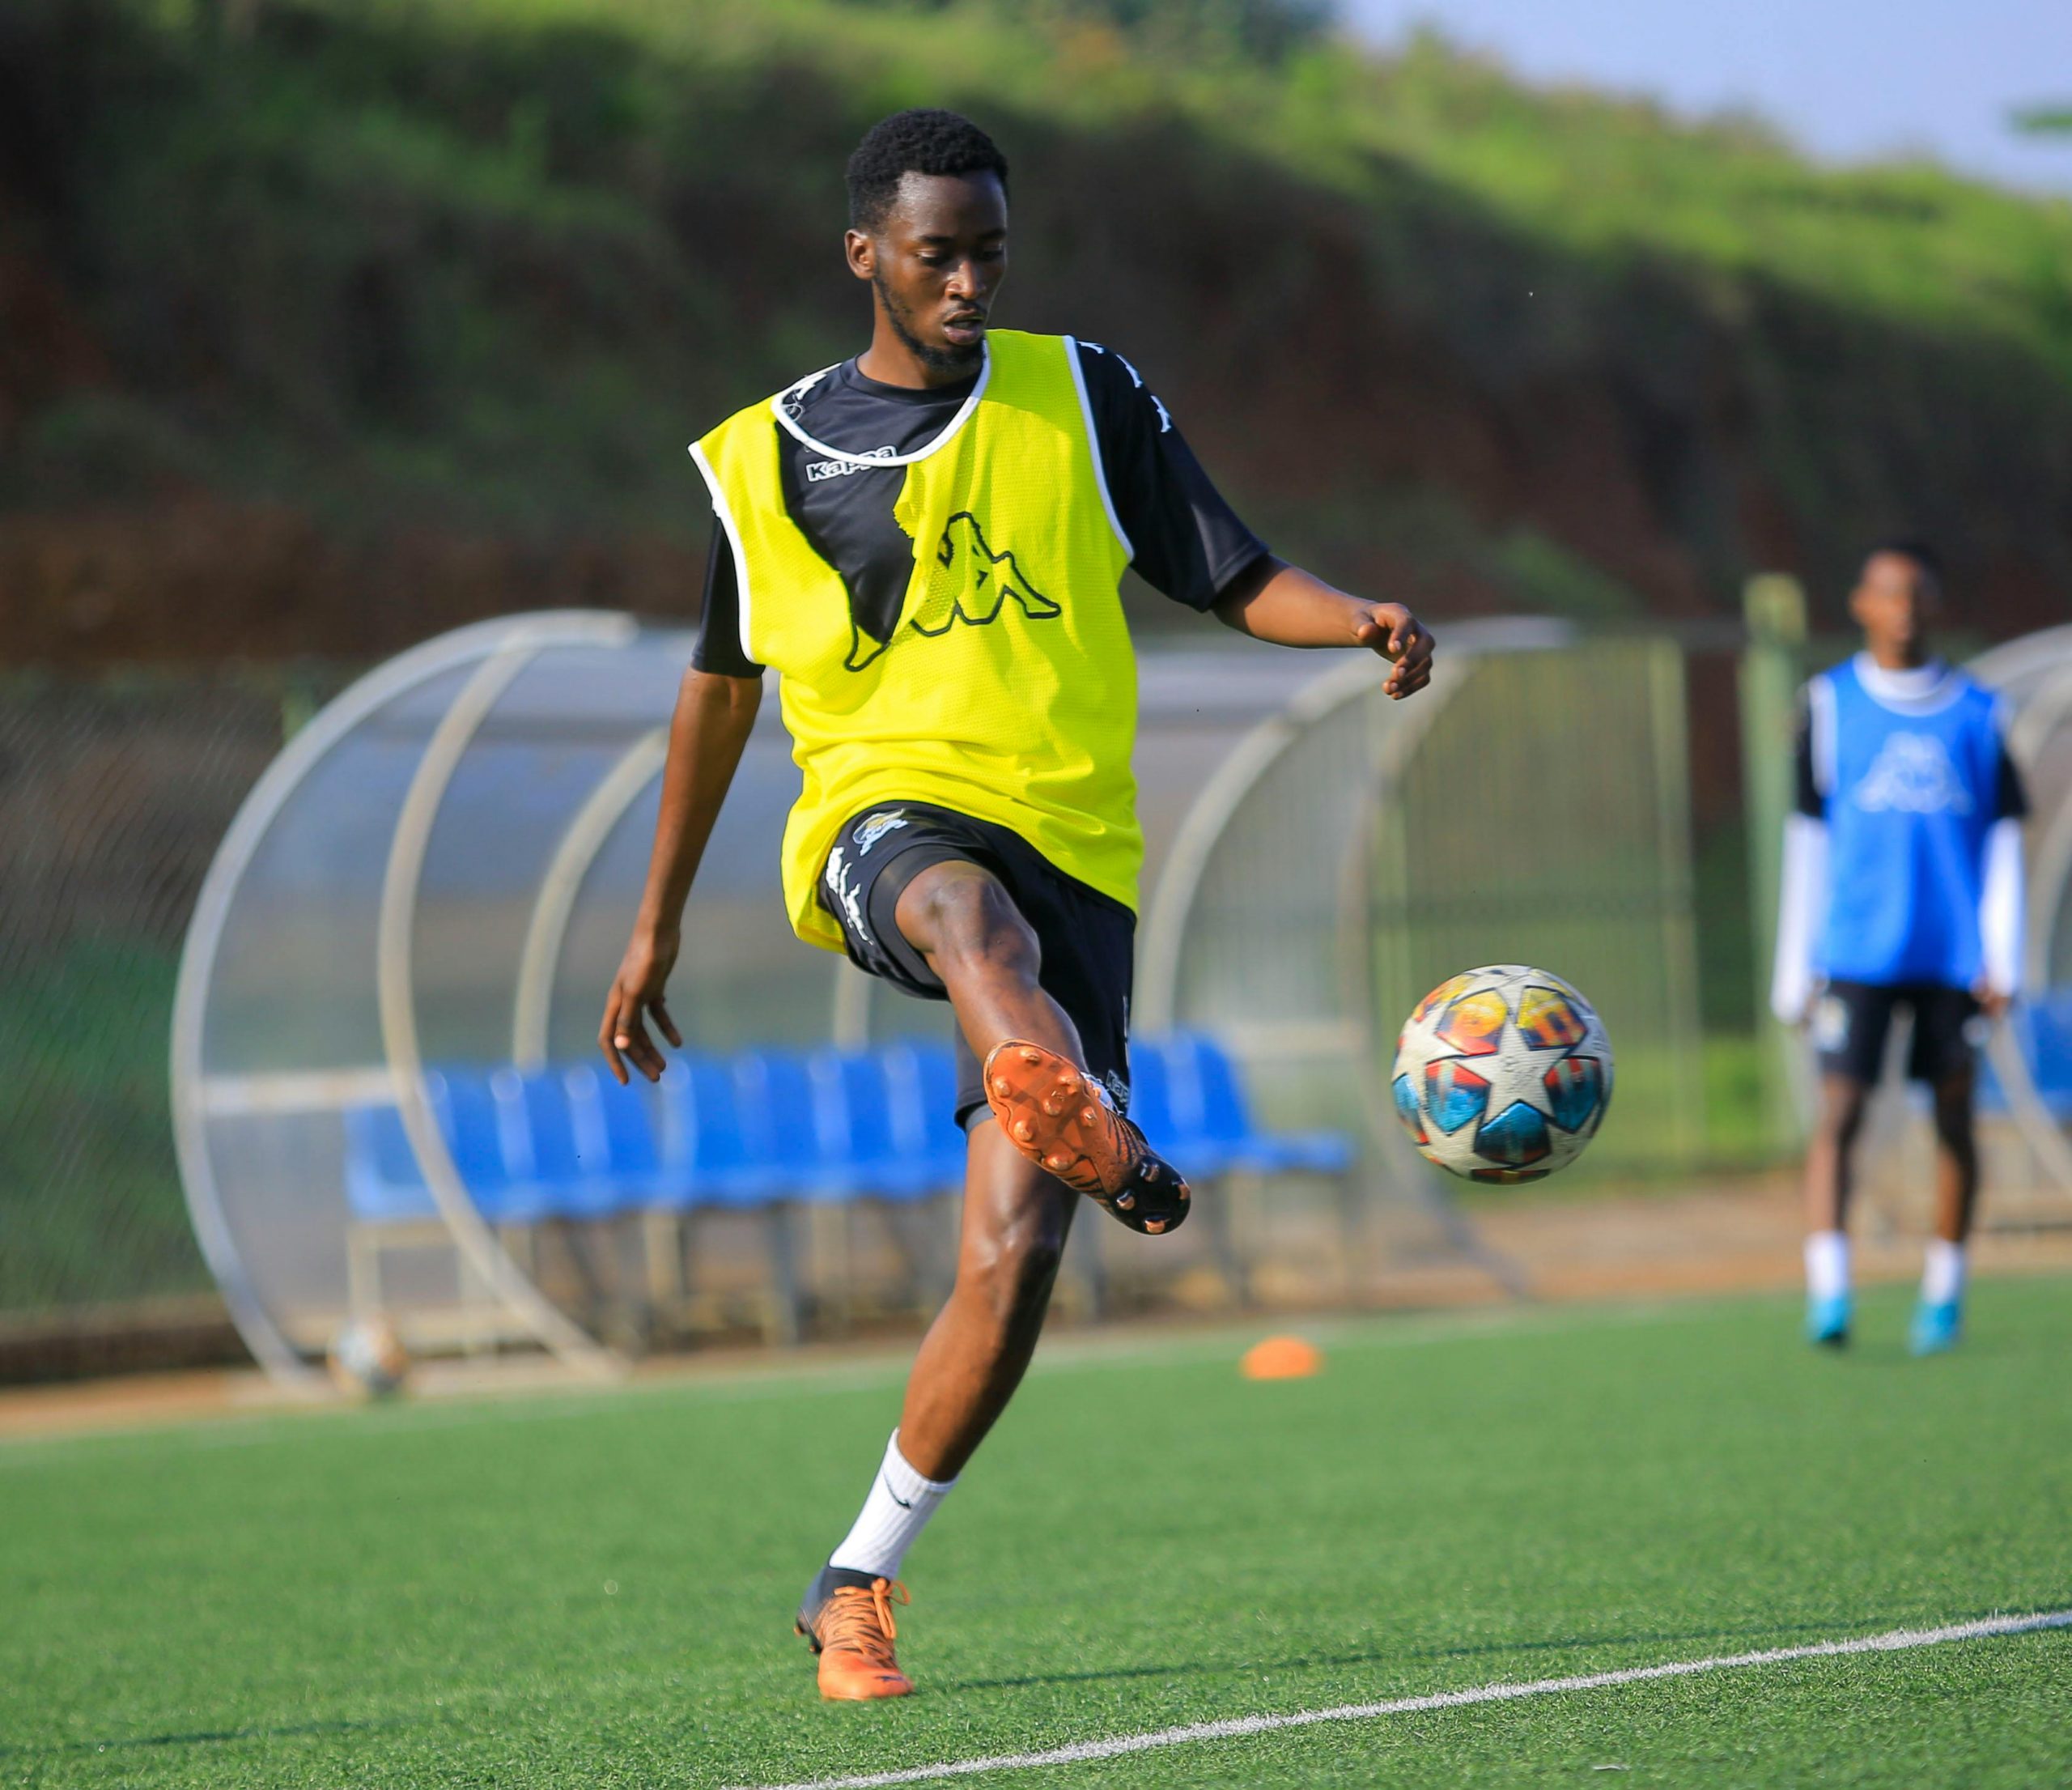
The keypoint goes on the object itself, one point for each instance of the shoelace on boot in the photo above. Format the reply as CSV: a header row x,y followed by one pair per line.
x,y
857,1621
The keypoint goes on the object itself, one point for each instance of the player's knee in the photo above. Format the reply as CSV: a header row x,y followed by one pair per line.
x,y
1841,1112
977,927
1953,1114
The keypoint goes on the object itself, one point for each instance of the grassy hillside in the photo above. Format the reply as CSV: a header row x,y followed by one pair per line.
x,y
334,322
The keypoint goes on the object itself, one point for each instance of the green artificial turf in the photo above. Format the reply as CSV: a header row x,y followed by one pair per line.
x,y
596,1590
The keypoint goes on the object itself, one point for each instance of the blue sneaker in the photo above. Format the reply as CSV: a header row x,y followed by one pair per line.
x,y
1935,1328
1827,1320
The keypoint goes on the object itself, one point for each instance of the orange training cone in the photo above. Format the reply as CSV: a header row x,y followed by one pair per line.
x,y
1281,1358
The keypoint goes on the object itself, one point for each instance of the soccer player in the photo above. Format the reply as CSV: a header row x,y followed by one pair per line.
x,y
926,542
1902,888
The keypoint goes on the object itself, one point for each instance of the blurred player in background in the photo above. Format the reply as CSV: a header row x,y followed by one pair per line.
x,y
926,541
1902,888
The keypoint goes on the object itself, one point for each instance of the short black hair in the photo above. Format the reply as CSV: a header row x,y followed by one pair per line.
x,y
923,140
1909,546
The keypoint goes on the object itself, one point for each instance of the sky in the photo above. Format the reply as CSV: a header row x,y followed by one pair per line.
x,y
1849,80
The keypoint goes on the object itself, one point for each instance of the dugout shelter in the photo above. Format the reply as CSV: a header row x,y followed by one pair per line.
x,y
421,902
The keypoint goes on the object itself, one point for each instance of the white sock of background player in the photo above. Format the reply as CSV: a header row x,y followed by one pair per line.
x,y
1942,1274
1827,1265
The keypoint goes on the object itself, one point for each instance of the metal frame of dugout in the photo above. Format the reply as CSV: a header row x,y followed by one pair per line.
x,y
441,866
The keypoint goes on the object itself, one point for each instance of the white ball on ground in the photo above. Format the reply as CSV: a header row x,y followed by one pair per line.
x,y
367,1358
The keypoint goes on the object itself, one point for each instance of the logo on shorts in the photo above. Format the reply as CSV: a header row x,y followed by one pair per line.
x,y
841,885
1118,1091
875,829
1830,1027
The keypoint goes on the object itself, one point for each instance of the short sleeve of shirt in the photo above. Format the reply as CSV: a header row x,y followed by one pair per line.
x,y
1806,798
1186,542
2011,799
718,646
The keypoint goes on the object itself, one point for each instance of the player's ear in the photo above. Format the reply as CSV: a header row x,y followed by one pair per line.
x,y
861,250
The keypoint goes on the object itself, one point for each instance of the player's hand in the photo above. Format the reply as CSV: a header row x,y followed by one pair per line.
x,y
1992,1003
1393,631
636,993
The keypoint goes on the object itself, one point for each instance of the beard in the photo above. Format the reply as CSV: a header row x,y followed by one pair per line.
x,y
949,358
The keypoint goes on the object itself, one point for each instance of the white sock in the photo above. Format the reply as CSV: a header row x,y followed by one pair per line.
x,y
1827,1265
893,1516
1942,1275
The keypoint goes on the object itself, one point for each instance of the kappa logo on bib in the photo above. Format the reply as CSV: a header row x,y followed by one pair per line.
x,y
1913,774
968,581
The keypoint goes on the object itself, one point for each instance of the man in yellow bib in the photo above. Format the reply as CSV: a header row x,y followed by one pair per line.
x,y
926,542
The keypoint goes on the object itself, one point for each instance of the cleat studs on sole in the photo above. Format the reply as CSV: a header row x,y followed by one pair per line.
x,y
1154,1227
1031,1056
1125,1202
1057,1164
1025,1131
1086,1116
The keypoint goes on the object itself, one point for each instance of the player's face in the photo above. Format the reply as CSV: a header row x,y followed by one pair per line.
x,y
1893,603
936,265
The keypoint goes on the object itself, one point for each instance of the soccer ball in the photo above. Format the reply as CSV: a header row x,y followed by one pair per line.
x,y
1503,1074
368,1359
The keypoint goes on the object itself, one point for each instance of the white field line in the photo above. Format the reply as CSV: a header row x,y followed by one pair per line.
x,y
1894,1641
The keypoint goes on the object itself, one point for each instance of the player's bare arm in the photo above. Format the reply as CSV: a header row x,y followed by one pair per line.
x,y
1273,601
710,727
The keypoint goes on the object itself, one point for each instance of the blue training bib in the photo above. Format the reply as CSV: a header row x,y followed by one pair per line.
x,y
1911,791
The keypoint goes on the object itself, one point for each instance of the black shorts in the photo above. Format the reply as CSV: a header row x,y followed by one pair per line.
x,y
1851,1020
1088,939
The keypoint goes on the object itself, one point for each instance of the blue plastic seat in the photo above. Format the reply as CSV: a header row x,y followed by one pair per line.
x,y
1166,1100
616,1126
1228,1121
1151,1101
787,1130
383,1185
2050,1038
923,1075
705,1155
2042,1031
864,1124
1186,1094
547,1156
481,1116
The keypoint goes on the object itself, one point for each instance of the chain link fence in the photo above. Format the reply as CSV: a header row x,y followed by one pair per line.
x,y
114,792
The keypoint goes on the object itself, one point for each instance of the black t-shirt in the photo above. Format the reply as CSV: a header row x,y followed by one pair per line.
x,y
1189,543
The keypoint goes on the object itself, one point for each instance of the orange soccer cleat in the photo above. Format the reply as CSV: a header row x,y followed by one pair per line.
x,y
847,1618
1062,1119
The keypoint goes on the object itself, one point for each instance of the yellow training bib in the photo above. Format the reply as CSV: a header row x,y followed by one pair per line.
x,y
1007,688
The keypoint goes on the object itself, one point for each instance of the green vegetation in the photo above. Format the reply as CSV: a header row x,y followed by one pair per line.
x,y
487,264
597,1589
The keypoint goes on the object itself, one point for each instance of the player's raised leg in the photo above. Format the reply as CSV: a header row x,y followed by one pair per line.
x,y
965,925
1828,1169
